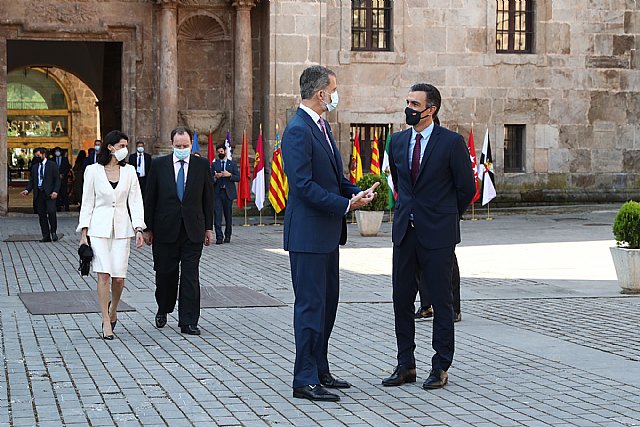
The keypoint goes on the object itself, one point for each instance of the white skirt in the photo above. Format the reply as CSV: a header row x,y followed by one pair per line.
x,y
110,256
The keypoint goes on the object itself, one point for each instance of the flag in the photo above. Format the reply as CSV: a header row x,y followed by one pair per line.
x,y
227,144
386,169
375,157
472,153
485,171
278,184
195,148
356,162
211,150
244,191
257,186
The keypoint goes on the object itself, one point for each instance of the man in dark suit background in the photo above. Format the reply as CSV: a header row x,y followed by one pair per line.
x,y
93,153
64,167
45,184
225,175
142,162
314,226
178,209
431,169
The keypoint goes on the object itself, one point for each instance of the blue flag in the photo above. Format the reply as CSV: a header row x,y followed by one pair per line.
x,y
195,148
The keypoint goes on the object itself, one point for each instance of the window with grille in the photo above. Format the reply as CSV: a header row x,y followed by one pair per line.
x,y
366,136
515,26
371,24
514,148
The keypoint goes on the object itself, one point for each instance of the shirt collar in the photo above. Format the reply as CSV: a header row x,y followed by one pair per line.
x,y
44,161
176,160
426,133
314,116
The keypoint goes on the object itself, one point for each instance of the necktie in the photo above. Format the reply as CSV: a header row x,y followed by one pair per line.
x,y
180,181
224,168
415,159
40,175
326,135
58,161
139,160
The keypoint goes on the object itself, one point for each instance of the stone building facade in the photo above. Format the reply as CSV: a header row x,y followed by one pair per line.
x,y
219,65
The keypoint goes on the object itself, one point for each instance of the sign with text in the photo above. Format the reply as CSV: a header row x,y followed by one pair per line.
x,y
37,126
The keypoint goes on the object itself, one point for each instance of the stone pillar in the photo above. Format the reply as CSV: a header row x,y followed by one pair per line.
x,y
243,72
4,178
168,61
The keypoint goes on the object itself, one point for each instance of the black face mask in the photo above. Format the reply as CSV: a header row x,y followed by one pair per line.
x,y
221,156
413,116
37,159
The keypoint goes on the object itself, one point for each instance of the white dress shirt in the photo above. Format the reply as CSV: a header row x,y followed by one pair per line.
x,y
176,167
140,165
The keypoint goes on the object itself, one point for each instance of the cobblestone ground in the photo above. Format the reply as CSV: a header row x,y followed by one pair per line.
x,y
546,337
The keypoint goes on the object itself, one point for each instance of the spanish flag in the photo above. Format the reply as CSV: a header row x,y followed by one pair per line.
x,y
278,184
355,167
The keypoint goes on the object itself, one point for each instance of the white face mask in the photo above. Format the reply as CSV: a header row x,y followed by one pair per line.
x,y
121,153
58,153
334,102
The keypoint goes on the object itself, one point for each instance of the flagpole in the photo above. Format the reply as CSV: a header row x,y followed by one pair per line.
x,y
275,218
473,212
488,218
261,224
245,217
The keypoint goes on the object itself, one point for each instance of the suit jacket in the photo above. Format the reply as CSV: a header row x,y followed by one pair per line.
x,y
230,182
318,191
65,166
89,160
51,181
106,209
443,190
163,210
133,161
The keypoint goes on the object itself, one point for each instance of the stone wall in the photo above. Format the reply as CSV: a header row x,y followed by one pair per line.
x,y
578,94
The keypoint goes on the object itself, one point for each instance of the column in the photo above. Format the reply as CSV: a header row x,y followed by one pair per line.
x,y
168,61
4,178
243,90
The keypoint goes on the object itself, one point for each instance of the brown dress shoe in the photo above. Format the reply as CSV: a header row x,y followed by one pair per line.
x,y
437,379
401,375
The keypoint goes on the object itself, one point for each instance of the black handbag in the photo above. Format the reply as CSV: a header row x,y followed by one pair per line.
x,y
86,255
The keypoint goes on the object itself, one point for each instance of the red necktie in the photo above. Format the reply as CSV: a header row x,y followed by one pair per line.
x,y
326,135
415,159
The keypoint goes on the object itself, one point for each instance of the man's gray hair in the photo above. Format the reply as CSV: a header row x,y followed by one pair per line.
x,y
313,79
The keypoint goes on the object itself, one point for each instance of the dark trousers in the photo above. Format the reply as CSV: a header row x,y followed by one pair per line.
x,y
63,197
436,266
143,185
178,263
425,301
316,285
222,206
46,209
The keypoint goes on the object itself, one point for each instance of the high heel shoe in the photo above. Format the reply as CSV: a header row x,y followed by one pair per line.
x,y
115,322
106,337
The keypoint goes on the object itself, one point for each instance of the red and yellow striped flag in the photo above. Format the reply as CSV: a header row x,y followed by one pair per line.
x,y
278,184
355,167
375,157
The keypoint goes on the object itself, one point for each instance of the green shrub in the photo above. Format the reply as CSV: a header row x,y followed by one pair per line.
x,y
626,225
381,201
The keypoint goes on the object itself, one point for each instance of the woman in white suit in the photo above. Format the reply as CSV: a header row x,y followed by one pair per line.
x,y
111,213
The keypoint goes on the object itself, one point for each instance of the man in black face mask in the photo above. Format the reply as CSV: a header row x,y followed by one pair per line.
x,y
431,170
225,175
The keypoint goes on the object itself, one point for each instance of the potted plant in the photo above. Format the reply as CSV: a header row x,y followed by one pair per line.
x,y
369,217
626,255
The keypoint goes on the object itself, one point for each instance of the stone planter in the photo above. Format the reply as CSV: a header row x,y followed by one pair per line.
x,y
627,264
369,222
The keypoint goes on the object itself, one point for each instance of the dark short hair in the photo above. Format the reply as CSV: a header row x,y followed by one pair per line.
x,y
97,140
313,79
112,138
41,150
219,146
181,130
139,142
432,93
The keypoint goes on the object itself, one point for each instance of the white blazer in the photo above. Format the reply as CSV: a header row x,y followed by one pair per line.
x,y
104,208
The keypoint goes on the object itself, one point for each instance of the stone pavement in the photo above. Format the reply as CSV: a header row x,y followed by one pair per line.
x,y
546,337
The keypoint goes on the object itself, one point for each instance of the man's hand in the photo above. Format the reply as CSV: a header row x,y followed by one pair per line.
x,y
363,198
148,237
208,237
54,195
24,193
226,173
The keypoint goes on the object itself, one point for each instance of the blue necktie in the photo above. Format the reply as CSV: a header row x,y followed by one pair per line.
x,y
180,181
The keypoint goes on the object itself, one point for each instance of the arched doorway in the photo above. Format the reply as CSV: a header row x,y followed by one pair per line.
x,y
46,107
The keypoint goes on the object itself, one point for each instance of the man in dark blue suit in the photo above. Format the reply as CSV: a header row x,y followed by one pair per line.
x,y
93,153
64,167
314,226
431,170
225,175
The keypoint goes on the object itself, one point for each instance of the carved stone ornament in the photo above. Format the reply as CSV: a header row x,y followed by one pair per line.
x,y
71,13
241,4
201,27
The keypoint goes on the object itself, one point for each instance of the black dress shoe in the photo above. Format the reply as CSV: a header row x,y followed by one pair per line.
x,y
218,242
437,379
45,239
227,239
457,317
190,329
54,237
315,392
329,381
161,320
401,375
